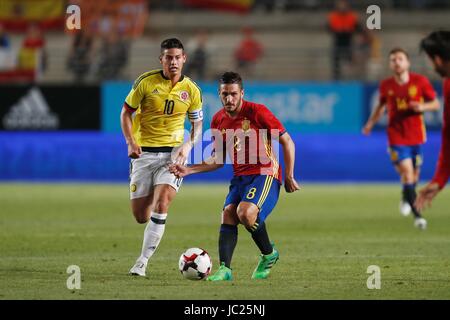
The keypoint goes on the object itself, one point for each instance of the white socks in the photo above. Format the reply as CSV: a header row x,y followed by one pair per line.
x,y
152,235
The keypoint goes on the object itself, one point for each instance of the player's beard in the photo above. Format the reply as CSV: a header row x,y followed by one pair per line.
x,y
235,107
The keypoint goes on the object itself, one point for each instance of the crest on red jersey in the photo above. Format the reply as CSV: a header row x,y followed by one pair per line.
x,y
412,91
245,125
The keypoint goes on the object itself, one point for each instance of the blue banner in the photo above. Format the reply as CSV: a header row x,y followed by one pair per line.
x,y
301,107
93,156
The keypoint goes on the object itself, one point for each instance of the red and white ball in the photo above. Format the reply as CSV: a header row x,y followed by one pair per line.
x,y
195,264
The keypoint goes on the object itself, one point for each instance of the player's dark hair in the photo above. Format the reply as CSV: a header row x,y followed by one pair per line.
x,y
231,77
397,50
437,43
171,43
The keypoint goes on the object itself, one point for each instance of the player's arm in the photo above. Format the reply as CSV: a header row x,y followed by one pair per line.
x,y
374,118
195,115
216,161
181,171
194,137
432,105
289,161
442,174
134,150
131,104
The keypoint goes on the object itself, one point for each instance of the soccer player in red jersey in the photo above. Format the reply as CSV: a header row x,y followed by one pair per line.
x,y
406,96
437,47
244,130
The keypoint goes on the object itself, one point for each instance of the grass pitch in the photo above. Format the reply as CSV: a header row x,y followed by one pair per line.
x,y
327,236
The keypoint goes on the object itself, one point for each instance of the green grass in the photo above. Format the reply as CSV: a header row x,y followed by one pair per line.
x,y
327,236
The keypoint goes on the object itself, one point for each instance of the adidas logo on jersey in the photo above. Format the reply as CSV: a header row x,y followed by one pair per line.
x,y
31,112
155,91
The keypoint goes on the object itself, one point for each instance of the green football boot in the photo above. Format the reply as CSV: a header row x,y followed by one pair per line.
x,y
265,263
223,274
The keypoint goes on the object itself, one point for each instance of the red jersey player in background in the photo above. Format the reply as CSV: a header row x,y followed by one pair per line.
x,y
437,47
245,131
406,96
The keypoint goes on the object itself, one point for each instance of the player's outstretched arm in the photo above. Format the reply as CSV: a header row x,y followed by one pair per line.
x,y
181,171
373,119
288,146
183,151
417,106
134,150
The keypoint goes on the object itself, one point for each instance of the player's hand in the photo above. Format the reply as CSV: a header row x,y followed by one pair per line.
x,y
290,185
134,151
179,170
426,195
366,130
416,106
182,153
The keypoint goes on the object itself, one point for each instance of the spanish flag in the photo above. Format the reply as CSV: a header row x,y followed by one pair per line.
x,y
240,6
17,14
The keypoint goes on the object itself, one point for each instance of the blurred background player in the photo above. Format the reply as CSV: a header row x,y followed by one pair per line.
x,y
160,100
437,47
406,96
255,186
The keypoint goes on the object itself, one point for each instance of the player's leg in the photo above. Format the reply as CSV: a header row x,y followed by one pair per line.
x,y
164,187
398,154
259,199
141,208
141,195
407,171
228,234
417,159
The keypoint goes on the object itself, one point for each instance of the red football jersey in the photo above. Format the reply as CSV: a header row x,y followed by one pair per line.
x,y
405,127
443,167
247,138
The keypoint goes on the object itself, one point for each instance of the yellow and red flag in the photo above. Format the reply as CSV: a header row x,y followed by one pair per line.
x,y
241,6
16,15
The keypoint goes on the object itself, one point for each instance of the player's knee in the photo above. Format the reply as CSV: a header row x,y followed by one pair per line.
x,y
247,217
141,216
141,220
229,215
162,205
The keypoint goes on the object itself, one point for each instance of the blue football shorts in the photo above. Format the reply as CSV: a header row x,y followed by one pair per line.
x,y
261,190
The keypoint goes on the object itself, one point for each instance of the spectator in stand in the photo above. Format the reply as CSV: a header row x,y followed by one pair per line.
x,y
80,56
5,50
248,53
343,24
32,55
113,56
5,43
198,52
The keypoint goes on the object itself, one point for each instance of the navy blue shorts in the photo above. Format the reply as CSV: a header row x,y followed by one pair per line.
x,y
261,190
400,153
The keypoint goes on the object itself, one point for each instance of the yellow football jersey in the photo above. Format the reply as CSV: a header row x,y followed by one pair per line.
x,y
161,109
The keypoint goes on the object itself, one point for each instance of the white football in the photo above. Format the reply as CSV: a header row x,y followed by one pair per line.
x,y
195,264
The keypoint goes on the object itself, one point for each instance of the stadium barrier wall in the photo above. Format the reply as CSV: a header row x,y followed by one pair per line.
x,y
324,120
101,157
49,107
301,107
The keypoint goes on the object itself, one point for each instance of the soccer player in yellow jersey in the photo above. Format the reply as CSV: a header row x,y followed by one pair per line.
x,y
152,121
